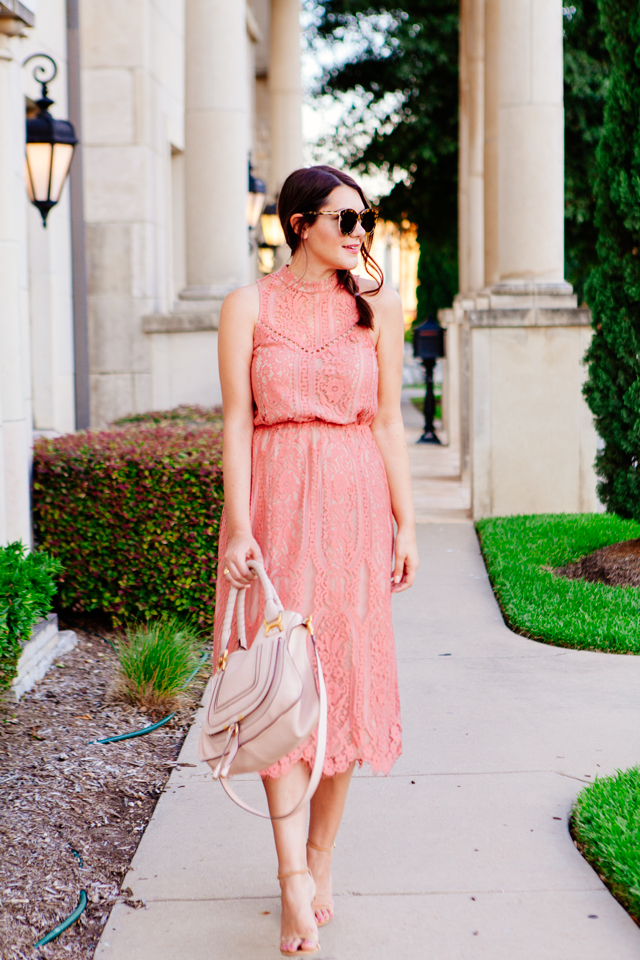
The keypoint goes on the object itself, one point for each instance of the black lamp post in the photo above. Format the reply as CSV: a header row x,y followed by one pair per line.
x,y
50,145
255,199
428,345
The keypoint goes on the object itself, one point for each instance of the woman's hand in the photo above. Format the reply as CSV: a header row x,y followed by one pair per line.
x,y
240,548
406,561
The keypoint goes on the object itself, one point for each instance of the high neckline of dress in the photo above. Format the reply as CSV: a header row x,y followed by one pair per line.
x,y
308,286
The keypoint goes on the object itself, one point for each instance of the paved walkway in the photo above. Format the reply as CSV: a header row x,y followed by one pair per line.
x,y
463,853
438,492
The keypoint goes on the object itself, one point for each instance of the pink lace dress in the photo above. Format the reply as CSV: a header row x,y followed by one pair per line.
x,y
320,509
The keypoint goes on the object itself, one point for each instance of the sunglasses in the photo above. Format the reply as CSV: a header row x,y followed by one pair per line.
x,y
348,219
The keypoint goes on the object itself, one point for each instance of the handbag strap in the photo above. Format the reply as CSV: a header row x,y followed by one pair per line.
x,y
318,763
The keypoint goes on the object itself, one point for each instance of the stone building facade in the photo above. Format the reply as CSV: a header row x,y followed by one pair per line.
x,y
113,308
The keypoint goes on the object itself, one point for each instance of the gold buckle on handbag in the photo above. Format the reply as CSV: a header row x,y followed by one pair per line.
x,y
222,660
275,624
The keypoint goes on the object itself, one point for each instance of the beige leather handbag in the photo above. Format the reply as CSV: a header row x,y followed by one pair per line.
x,y
264,701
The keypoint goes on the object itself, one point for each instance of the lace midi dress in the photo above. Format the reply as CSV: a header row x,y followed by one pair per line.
x,y
321,511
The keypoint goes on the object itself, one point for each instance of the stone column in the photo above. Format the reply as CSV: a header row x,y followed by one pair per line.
x,y
216,148
15,406
471,203
463,150
530,143
491,73
285,90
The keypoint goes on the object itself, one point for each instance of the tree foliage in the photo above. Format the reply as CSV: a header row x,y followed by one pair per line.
x,y
406,69
613,288
586,69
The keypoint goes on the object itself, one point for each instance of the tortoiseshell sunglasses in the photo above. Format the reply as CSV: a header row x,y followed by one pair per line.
x,y
347,219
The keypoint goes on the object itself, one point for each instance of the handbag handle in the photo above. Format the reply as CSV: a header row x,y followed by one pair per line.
x,y
273,607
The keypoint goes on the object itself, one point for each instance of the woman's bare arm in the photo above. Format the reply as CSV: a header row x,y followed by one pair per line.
x,y
238,319
388,430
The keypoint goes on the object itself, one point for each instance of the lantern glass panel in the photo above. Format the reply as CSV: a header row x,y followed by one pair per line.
x,y
255,203
39,166
272,230
62,154
266,259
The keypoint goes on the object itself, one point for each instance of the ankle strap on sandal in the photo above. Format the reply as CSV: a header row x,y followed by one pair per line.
x,y
320,849
291,873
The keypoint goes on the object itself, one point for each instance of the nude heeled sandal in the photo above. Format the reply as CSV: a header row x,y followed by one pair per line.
x,y
298,952
321,906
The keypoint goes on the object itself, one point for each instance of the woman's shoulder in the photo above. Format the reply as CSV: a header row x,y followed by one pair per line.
x,y
385,296
243,297
386,303
241,309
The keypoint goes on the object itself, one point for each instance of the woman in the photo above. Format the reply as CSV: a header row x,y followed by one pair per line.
x,y
315,467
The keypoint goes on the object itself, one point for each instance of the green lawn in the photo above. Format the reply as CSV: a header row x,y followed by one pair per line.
x,y
606,826
519,551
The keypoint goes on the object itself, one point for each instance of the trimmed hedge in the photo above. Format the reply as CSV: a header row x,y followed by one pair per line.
x,y
133,514
186,413
27,585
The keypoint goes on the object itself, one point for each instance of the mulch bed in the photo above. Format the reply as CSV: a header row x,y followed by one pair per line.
x,y
617,565
59,793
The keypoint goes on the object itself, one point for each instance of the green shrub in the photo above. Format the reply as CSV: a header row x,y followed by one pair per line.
x,y
28,582
156,662
185,413
520,553
606,827
133,514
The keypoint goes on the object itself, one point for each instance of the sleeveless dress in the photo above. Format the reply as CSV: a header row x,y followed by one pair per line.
x,y
321,511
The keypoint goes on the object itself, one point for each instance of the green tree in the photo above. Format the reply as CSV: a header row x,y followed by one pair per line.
x,y
406,69
613,289
586,69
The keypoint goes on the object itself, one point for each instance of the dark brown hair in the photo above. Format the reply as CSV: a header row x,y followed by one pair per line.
x,y
308,189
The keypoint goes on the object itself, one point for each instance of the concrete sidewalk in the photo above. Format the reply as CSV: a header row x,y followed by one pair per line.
x,y
463,852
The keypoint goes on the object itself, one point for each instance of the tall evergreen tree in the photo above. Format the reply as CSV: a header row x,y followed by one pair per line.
x,y
586,68
613,289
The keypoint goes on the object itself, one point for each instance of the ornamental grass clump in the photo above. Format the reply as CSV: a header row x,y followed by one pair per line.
x,y
133,514
28,582
156,663
605,825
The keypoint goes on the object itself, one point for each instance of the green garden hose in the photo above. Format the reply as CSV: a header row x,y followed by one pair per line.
x,y
82,903
79,910
136,733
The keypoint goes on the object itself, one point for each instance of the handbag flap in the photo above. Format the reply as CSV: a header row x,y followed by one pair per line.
x,y
243,685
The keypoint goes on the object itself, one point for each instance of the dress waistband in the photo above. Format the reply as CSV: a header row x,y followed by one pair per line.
x,y
289,424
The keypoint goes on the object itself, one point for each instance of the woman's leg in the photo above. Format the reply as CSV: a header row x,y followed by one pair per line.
x,y
327,807
298,926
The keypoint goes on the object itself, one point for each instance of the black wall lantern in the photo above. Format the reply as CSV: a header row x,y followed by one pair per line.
x,y
428,346
50,145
